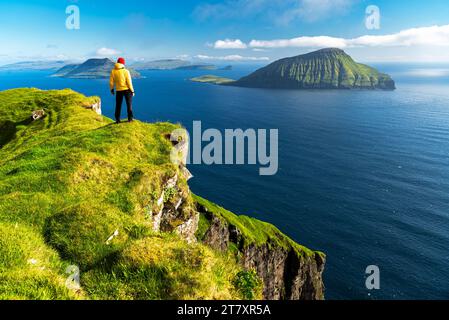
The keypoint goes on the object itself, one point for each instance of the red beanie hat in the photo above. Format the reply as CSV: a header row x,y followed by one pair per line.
x,y
121,60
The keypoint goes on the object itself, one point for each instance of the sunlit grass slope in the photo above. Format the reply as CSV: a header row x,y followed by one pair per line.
x,y
71,180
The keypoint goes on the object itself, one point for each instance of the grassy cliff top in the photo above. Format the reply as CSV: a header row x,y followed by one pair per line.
x,y
71,180
67,183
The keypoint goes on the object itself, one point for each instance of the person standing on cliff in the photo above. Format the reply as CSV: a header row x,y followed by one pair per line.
x,y
122,82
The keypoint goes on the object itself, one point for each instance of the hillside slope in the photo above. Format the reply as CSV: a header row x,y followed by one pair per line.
x,y
75,189
323,69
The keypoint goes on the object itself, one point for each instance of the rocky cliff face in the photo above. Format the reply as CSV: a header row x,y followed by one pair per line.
x,y
288,272
174,213
286,275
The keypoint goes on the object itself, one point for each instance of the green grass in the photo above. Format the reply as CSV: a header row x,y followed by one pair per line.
x,y
164,267
71,180
29,269
68,182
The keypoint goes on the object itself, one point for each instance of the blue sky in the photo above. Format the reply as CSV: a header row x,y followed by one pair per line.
x,y
224,31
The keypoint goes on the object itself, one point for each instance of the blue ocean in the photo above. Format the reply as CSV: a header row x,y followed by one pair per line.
x,y
363,175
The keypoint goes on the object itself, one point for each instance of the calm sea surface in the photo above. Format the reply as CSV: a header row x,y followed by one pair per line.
x,y
364,176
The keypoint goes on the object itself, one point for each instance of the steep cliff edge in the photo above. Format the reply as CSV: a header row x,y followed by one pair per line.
x,y
289,270
77,190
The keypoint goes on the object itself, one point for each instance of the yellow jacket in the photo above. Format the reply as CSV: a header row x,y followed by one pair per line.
x,y
121,78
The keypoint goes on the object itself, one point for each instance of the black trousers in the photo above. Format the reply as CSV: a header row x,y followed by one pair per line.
x,y
128,95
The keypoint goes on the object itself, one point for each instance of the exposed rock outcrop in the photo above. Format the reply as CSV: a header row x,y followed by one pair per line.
x,y
174,213
38,114
96,107
286,274
218,234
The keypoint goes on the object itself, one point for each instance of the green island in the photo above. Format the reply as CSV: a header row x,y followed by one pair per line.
x,y
323,69
77,191
212,79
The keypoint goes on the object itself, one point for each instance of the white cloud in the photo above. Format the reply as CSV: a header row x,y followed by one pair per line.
x,y
229,44
231,58
107,52
425,36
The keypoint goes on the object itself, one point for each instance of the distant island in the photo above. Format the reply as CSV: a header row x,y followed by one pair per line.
x,y
199,67
166,64
323,69
98,68
171,64
34,66
212,79
91,69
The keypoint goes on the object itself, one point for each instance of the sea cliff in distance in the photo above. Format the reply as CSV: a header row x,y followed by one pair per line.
x,y
323,69
91,69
